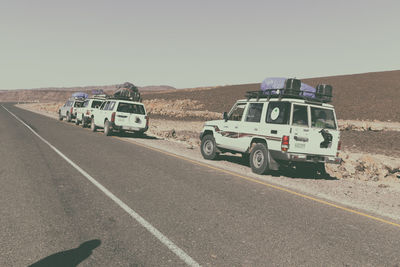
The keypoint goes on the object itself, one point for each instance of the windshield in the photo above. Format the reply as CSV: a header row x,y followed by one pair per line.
x,y
131,108
322,118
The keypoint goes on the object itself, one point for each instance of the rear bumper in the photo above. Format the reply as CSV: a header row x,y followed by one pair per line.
x,y
297,157
130,128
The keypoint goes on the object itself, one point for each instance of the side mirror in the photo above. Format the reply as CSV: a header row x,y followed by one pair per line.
x,y
225,116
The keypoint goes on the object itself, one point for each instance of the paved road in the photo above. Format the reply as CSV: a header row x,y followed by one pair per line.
x,y
50,211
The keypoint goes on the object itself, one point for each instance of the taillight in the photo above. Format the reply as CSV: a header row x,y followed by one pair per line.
x,y
87,112
285,143
72,109
147,121
339,146
113,117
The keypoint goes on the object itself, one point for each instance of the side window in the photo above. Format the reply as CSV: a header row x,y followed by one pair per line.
x,y
106,105
278,113
96,104
237,112
300,117
254,112
111,106
102,105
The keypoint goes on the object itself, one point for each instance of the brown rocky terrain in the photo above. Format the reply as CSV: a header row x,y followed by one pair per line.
x,y
368,96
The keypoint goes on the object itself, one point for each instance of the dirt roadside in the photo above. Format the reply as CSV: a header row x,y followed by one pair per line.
x,y
364,181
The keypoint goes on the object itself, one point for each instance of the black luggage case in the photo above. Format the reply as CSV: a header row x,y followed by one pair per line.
x,y
292,86
324,92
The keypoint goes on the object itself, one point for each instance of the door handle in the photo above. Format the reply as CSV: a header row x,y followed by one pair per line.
x,y
274,131
255,129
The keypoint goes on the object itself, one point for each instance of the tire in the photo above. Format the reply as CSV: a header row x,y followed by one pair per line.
x,y
259,158
93,126
107,128
68,117
60,117
208,147
76,121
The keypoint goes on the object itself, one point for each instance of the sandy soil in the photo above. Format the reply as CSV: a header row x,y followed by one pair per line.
x,y
364,181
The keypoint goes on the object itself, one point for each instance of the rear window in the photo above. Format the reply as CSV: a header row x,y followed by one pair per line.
x,y
278,113
85,104
322,118
131,108
96,103
300,116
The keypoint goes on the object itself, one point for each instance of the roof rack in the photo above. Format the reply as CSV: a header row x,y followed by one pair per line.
x,y
124,98
290,93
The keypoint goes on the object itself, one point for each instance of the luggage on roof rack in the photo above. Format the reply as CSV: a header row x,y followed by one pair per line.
x,y
128,91
294,88
80,95
324,91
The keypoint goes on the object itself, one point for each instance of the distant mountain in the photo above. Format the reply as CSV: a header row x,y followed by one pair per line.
x,y
62,93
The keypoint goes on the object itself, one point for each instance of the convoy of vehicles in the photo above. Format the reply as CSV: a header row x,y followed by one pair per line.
x,y
272,128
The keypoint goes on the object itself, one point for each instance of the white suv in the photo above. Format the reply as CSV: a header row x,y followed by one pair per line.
x,y
274,132
120,115
68,110
84,113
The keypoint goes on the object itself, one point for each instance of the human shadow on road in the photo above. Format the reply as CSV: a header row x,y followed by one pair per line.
x,y
69,258
283,171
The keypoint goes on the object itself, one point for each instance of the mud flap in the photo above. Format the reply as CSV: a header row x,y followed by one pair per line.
x,y
272,164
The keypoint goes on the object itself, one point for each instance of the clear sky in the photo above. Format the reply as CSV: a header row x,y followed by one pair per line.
x,y
46,43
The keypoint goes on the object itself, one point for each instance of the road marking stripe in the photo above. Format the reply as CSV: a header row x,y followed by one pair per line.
x,y
162,238
267,184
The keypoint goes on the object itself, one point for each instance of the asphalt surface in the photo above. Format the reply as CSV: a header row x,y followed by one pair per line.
x,y
49,209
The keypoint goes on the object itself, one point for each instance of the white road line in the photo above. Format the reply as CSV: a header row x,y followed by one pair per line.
x,y
163,239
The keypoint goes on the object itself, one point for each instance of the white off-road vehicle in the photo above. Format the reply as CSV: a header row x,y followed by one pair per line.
x,y
276,130
120,115
84,113
68,110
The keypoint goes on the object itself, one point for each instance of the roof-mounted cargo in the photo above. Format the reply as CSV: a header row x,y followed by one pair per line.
x,y
292,88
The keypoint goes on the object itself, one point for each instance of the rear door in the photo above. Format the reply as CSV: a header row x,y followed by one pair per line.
x,y
300,138
130,115
324,135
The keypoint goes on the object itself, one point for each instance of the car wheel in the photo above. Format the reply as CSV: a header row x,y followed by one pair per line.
x,y
208,147
93,126
60,117
76,121
68,117
107,128
259,158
